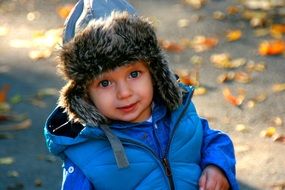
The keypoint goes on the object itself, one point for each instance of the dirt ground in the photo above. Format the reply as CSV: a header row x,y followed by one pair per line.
x,y
260,160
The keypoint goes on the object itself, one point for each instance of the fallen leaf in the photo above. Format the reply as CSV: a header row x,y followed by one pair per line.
x,y
257,67
40,54
4,107
38,182
3,92
277,30
18,126
269,132
6,160
222,60
234,35
278,87
200,91
202,43
242,148
241,128
234,100
279,138
15,99
197,4
233,10
47,92
226,77
274,47
183,23
187,78
218,15
196,60
277,121
171,46
13,173
64,10
242,77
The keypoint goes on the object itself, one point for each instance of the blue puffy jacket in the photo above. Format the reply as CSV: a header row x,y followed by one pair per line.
x,y
165,162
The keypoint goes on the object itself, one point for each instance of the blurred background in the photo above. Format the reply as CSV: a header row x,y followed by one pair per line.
x,y
232,51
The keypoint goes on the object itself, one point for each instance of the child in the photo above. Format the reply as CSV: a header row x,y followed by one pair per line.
x,y
123,121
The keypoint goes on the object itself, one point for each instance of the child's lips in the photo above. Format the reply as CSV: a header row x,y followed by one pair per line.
x,y
128,108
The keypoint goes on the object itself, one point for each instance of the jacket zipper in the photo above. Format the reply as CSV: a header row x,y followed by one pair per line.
x,y
165,161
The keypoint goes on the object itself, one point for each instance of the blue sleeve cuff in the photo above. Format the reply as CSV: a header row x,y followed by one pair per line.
x,y
73,178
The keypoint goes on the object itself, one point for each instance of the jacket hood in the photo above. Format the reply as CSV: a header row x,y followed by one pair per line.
x,y
60,133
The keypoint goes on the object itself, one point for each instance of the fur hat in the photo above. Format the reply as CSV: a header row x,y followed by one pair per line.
x,y
104,45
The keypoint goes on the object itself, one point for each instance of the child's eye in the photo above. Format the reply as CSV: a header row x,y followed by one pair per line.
x,y
135,74
104,83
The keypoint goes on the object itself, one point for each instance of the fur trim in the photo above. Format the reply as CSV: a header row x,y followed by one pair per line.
x,y
104,45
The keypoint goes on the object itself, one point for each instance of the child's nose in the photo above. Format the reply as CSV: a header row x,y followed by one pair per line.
x,y
123,90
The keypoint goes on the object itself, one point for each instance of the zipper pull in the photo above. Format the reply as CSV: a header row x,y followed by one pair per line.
x,y
166,167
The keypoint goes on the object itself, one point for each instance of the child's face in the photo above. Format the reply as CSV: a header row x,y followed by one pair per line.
x,y
124,94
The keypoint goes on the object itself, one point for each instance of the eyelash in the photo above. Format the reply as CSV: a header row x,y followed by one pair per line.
x,y
101,83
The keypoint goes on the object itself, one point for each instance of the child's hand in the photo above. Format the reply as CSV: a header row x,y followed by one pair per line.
x,y
213,179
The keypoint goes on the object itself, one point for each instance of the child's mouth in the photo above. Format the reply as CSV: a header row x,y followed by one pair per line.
x,y
128,108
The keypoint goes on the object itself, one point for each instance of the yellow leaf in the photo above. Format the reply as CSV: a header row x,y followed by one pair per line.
x,y
278,87
183,23
269,132
200,91
64,11
40,54
274,47
171,46
234,35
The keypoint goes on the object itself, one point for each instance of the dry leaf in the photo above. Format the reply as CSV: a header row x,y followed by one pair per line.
x,y
234,35
277,30
241,128
40,54
7,160
202,43
19,126
222,60
13,173
277,121
183,23
218,15
4,107
196,60
171,46
232,10
187,78
3,92
258,67
64,11
38,182
242,77
200,91
275,47
269,132
278,87
279,138
226,77
197,4
234,100
47,92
